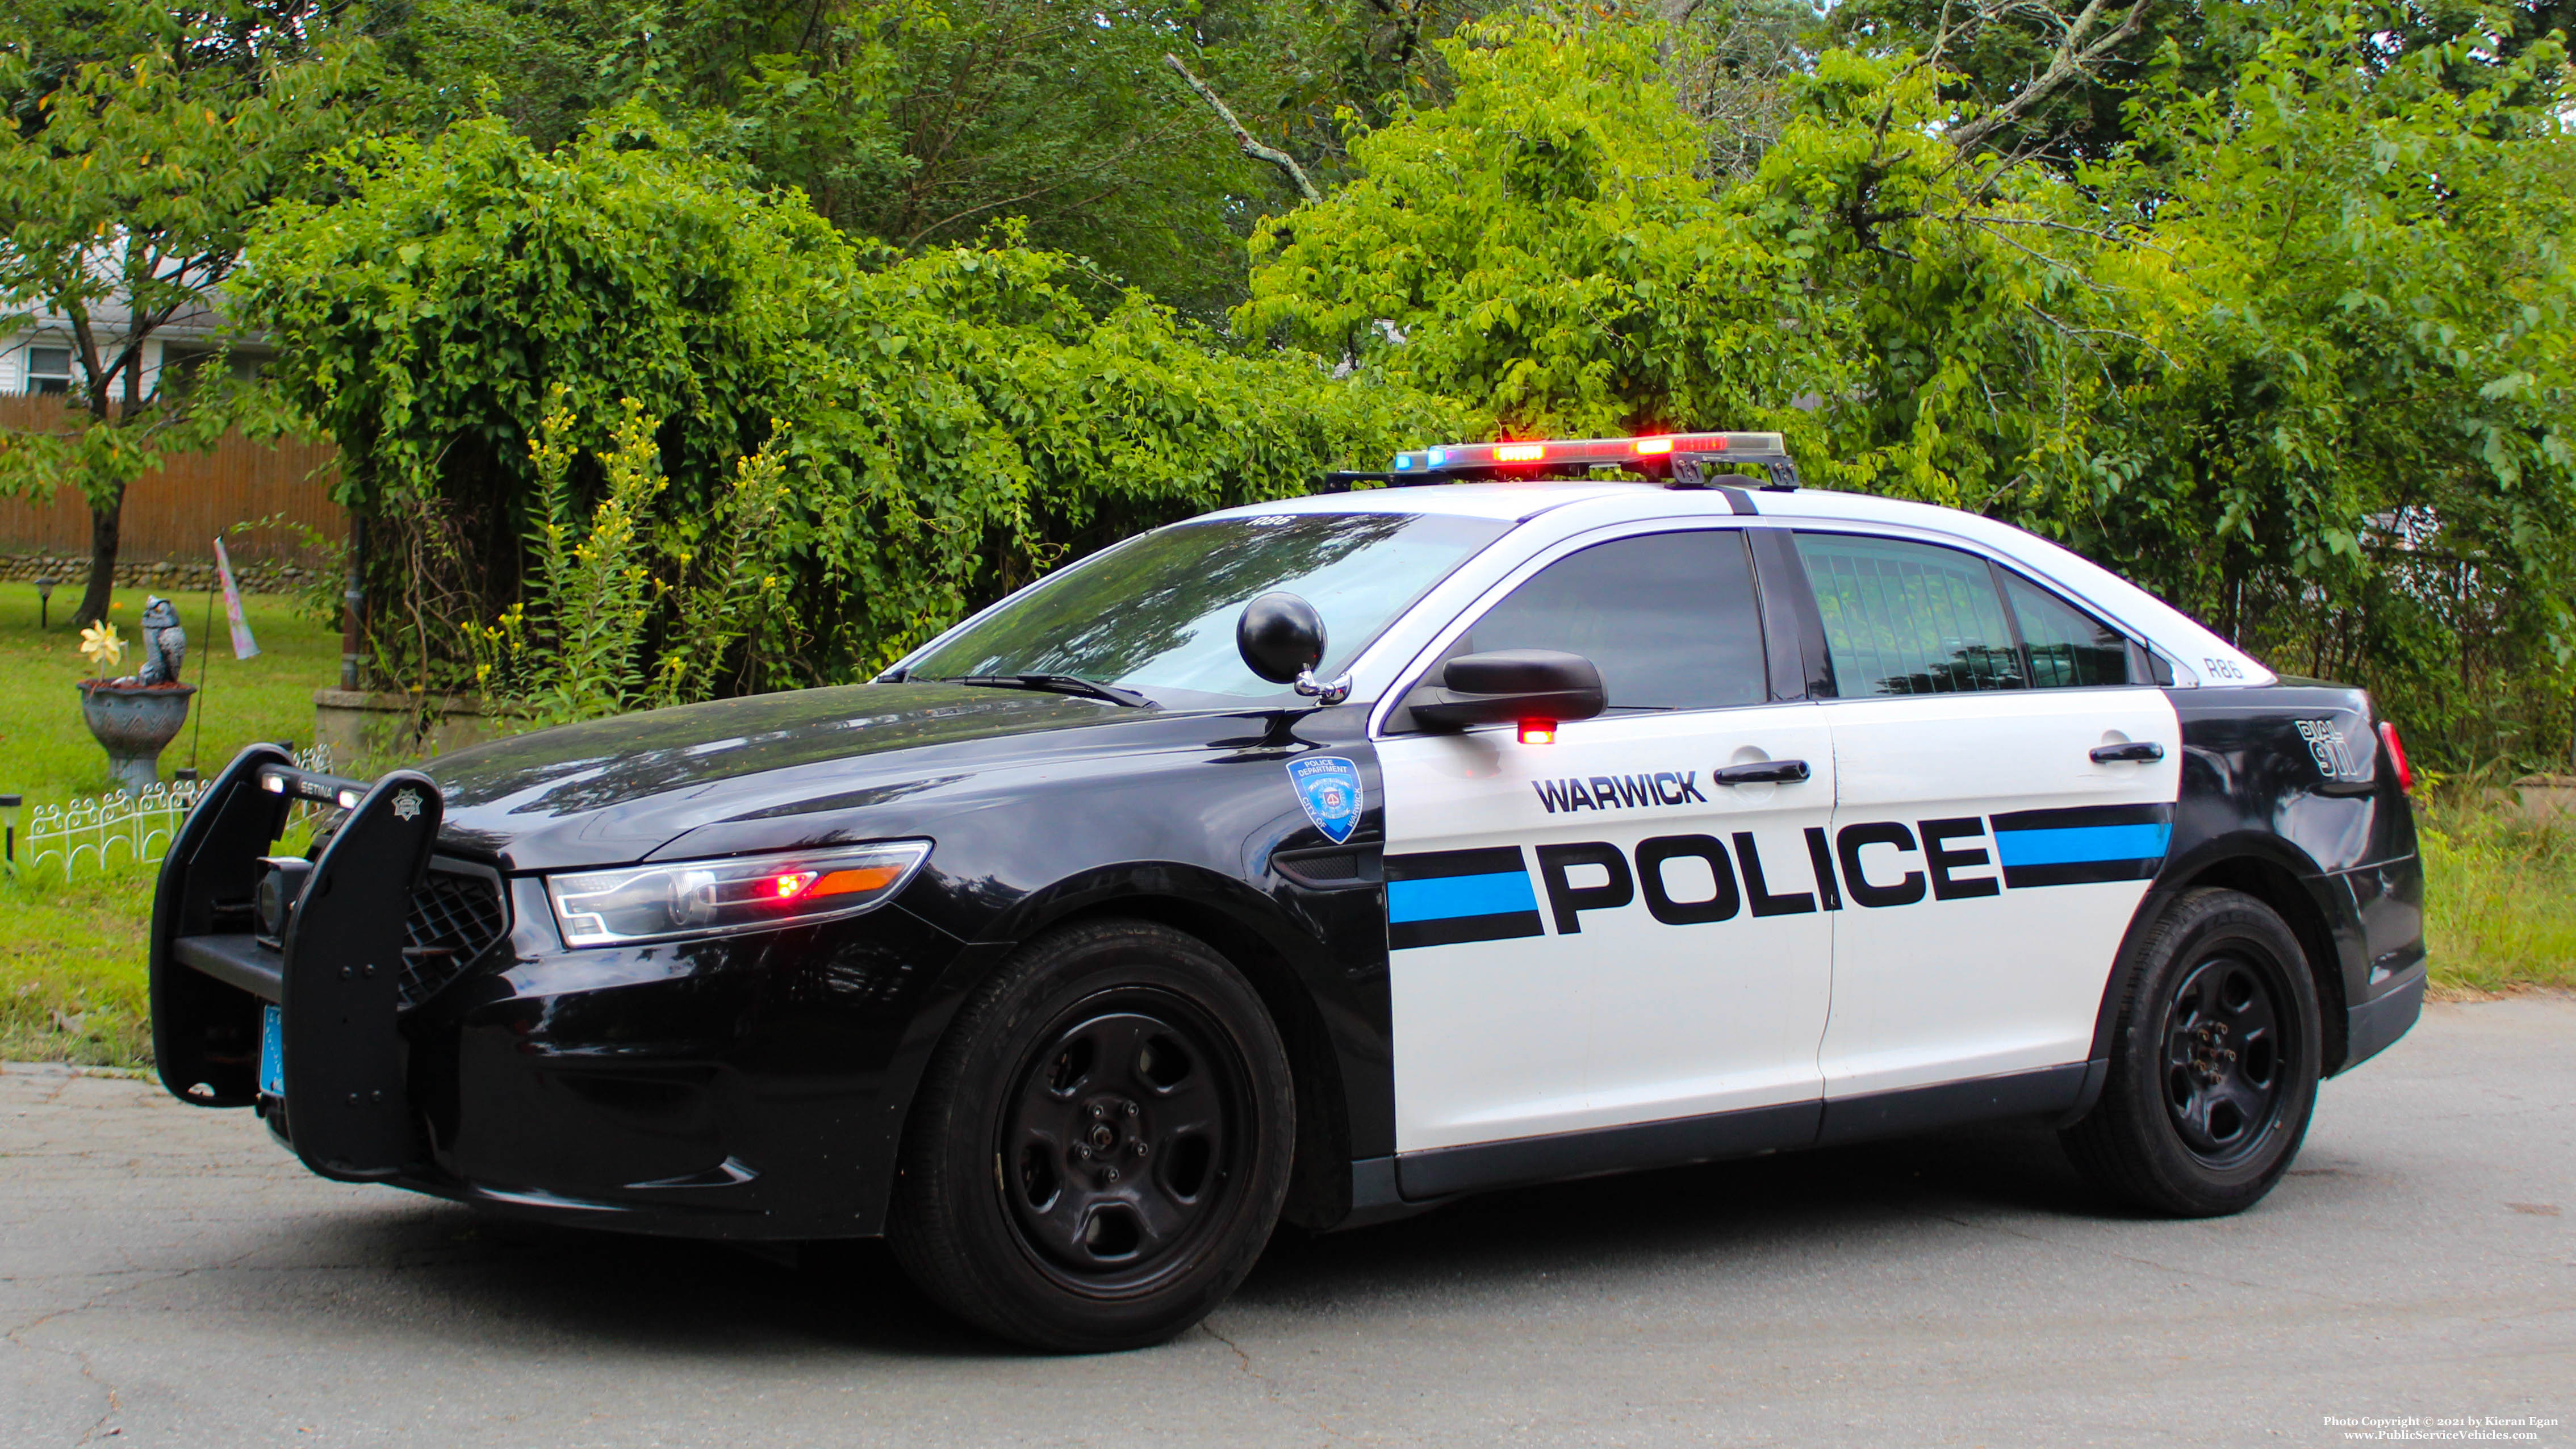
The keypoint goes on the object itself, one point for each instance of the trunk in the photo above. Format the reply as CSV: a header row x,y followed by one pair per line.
x,y
104,524
106,521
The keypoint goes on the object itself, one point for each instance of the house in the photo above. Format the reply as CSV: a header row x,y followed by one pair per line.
x,y
174,510
38,356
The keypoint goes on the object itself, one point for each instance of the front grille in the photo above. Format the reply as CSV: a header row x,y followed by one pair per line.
x,y
455,917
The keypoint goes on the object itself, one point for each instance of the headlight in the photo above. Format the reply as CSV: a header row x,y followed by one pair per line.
x,y
719,897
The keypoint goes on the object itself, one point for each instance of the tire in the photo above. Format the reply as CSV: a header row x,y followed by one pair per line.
x,y
2214,1063
1100,1147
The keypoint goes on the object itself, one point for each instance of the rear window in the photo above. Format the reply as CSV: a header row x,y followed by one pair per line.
x,y
1908,618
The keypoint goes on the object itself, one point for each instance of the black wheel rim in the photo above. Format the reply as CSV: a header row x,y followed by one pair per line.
x,y
1118,1146
2227,1058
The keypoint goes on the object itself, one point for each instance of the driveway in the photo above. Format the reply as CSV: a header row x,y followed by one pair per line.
x,y
167,1276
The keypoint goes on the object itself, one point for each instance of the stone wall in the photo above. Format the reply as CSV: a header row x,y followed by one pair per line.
x,y
174,579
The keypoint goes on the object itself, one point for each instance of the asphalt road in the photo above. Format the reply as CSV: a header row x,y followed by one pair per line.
x,y
168,1277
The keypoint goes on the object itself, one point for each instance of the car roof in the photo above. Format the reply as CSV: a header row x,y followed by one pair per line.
x,y
1510,502
2196,651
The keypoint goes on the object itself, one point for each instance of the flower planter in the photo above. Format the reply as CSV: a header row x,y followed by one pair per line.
x,y
134,723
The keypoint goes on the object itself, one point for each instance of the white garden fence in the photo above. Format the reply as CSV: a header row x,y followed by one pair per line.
x,y
93,831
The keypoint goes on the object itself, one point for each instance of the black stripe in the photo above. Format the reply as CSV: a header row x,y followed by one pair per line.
x,y
2084,815
1558,1156
1439,864
1403,935
2079,872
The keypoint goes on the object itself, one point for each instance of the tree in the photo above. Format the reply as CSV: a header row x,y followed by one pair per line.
x,y
2296,355
920,122
1545,245
2373,429
140,142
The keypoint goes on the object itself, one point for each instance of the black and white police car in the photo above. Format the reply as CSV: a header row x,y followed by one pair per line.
x,y
1324,860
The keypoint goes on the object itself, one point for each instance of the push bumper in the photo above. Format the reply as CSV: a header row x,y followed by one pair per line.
x,y
335,974
744,1087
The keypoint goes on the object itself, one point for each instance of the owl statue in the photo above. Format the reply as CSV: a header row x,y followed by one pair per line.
x,y
165,644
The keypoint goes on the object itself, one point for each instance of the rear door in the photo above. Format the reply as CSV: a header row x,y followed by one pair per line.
x,y
1595,932
1989,862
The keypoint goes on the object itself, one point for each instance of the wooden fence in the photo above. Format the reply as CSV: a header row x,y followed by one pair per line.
x,y
175,511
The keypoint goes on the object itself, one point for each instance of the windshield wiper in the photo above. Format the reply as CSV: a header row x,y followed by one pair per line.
x,y
1056,684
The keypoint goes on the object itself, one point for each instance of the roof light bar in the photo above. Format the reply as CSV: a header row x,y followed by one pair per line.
x,y
1685,458
1579,452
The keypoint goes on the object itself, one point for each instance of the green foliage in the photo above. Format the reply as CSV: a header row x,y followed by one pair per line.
x,y
1544,247
913,122
2499,893
2298,359
574,649
739,587
2372,435
139,143
946,425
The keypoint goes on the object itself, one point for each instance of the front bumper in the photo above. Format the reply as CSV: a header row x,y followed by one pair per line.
x,y
745,1087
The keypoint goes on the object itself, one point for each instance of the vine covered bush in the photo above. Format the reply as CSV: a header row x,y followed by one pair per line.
x,y
484,328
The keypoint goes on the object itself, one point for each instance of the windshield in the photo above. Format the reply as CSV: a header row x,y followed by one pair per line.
x,y
1157,614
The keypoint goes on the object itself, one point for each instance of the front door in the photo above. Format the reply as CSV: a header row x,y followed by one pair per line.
x,y
1597,931
1990,862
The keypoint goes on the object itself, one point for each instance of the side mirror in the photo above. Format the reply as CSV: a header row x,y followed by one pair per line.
x,y
1280,637
1509,685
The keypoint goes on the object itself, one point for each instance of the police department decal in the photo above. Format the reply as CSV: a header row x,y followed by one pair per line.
x,y
1329,787
407,805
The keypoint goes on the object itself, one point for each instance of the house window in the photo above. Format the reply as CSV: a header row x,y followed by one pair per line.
x,y
49,371
187,367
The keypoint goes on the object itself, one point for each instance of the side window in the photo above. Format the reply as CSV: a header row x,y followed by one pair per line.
x,y
1669,619
2068,647
1908,618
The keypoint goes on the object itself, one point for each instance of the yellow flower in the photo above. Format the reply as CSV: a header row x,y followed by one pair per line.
x,y
100,642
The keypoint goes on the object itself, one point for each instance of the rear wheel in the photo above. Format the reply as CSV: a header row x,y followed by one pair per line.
x,y
1101,1146
2214,1063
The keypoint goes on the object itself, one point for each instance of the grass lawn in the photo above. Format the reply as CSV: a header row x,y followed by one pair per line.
x,y
71,955
2499,897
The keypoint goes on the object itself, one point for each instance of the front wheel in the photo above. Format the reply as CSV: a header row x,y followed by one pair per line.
x,y
1101,1146
2214,1063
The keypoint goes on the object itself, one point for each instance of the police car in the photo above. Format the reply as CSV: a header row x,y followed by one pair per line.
x,y
1325,860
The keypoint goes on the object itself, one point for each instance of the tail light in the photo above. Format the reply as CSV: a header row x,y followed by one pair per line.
x,y
2397,755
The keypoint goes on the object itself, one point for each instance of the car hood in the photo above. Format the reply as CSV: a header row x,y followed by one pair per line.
x,y
611,791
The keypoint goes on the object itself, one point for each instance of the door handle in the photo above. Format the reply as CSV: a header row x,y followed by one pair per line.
x,y
2135,752
1762,772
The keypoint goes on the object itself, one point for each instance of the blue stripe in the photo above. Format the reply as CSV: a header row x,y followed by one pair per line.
x,y
2082,843
1451,896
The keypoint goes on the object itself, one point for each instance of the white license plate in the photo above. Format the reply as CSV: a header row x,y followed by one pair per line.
x,y
272,1052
